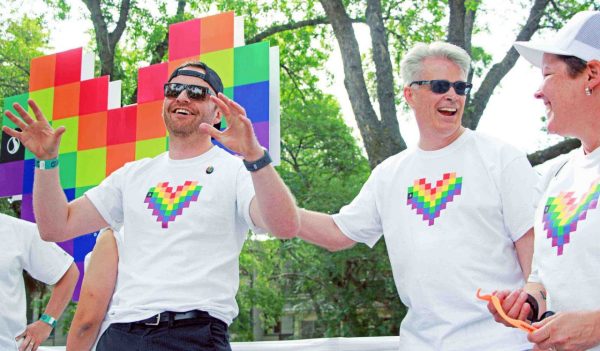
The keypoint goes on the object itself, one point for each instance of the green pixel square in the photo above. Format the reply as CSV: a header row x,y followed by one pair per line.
x,y
28,154
91,167
150,147
68,165
251,64
8,105
68,142
45,100
229,93
222,62
80,191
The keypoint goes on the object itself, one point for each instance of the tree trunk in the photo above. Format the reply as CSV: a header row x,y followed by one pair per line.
x,y
380,139
106,42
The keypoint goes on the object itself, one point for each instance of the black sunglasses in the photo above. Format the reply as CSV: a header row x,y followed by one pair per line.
x,y
194,92
441,86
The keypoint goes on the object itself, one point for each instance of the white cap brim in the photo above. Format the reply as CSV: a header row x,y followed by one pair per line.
x,y
534,52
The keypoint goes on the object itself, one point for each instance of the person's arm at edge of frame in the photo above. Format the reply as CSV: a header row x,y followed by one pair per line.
x,y
96,292
57,219
320,229
59,299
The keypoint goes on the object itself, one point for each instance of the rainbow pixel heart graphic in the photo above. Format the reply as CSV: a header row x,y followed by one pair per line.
x,y
563,212
166,205
429,202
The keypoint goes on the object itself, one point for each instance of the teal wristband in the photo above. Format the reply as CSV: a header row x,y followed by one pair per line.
x,y
46,164
48,320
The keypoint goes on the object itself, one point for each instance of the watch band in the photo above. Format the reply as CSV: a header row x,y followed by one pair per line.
x,y
48,320
258,164
46,164
533,315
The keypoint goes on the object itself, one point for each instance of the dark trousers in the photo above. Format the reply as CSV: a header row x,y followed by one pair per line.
x,y
198,334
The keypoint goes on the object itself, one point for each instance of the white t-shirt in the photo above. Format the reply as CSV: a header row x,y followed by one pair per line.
x,y
184,222
450,218
567,234
23,249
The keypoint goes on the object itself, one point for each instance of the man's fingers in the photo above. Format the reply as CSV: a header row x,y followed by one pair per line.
x,y
36,110
59,132
24,114
510,300
517,305
16,120
12,132
25,344
234,106
212,131
525,310
539,336
221,103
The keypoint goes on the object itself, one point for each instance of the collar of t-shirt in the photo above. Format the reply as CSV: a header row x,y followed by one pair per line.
x,y
455,145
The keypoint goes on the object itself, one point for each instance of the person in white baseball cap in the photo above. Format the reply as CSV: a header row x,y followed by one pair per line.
x,y
565,272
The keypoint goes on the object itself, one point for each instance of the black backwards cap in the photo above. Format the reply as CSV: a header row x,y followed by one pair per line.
x,y
210,76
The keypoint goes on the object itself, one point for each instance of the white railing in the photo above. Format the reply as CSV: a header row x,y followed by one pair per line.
x,y
380,343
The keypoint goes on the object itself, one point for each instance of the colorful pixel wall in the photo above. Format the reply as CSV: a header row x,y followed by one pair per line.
x,y
102,136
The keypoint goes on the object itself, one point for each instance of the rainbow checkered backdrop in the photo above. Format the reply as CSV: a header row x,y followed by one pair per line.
x,y
102,136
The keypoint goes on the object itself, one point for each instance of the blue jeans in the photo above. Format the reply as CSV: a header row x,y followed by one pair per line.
x,y
204,334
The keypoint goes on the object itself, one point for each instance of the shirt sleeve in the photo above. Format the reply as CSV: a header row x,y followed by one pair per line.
x,y
107,197
244,195
360,220
520,194
44,261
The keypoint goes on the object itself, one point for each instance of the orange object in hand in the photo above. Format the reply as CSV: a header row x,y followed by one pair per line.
x,y
514,322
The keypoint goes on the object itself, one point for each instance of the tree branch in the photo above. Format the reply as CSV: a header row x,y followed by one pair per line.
x,y
553,151
278,28
121,24
477,105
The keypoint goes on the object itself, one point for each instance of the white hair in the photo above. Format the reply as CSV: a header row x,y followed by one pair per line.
x,y
412,62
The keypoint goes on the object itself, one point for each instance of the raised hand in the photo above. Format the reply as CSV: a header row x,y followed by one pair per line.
x,y
239,135
37,135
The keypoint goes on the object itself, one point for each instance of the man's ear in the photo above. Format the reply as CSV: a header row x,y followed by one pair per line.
x,y
408,95
594,74
217,121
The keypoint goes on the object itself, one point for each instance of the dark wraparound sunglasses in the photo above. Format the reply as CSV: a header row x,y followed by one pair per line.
x,y
194,92
441,86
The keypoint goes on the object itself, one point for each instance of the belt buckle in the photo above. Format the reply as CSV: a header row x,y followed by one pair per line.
x,y
154,323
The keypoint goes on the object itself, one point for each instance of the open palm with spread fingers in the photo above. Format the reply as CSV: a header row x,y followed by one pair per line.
x,y
239,135
36,134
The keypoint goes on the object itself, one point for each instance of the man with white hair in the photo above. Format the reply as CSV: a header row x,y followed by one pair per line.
x,y
456,212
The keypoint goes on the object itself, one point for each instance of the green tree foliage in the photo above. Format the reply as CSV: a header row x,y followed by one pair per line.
x,y
21,40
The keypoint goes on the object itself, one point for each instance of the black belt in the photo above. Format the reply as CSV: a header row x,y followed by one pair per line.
x,y
174,316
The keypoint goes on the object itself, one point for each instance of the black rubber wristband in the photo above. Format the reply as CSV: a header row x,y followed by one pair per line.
x,y
535,309
262,162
